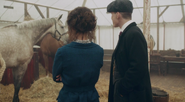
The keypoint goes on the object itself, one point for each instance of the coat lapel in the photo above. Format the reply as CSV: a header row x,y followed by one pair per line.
x,y
122,35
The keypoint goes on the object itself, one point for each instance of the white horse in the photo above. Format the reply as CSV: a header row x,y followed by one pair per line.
x,y
16,45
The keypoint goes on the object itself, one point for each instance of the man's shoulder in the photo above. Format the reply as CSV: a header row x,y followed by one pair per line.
x,y
134,29
134,32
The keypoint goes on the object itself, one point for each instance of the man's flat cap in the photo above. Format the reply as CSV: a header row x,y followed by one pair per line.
x,y
120,6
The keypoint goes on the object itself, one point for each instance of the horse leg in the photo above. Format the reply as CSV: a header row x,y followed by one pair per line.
x,y
18,74
2,67
46,62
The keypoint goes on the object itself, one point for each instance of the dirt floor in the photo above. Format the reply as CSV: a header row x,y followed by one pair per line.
x,y
46,90
173,84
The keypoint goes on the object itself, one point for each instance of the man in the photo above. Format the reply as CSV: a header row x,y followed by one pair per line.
x,y
129,75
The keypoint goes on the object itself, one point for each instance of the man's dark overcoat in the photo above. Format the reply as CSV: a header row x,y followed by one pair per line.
x,y
129,74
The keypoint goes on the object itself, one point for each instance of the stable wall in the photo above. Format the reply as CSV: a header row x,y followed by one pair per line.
x,y
171,36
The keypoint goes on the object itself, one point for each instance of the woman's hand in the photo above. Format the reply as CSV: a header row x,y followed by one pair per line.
x,y
58,78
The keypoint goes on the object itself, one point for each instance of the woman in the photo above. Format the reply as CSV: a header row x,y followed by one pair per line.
x,y
78,64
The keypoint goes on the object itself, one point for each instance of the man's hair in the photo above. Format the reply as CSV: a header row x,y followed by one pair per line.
x,y
126,15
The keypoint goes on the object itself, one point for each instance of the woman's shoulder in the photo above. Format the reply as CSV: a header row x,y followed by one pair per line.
x,y
73,45
98,46
65,46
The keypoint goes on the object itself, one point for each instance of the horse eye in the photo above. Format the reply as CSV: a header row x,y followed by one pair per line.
x,y
62,27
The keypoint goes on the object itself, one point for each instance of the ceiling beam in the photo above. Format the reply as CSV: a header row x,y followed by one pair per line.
x,y
182,7
39,11
142,7
163,11
5,21
160,13
37,5
84,3
90,8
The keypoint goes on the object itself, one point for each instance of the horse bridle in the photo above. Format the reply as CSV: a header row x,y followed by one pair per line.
x,y
56,31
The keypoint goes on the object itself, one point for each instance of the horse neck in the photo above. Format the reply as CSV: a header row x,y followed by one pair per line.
x,y
37,29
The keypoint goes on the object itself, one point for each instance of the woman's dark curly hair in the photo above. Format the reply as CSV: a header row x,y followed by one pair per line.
x,y
81,20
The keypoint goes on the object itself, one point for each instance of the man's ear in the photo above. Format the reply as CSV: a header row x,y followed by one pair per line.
x,y
118,15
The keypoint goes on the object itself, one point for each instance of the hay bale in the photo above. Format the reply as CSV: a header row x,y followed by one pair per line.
x,y
102,87
6,93
46,90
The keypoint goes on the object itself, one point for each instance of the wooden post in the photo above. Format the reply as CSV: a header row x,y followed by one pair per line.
x,y
146,25
47,12
184,36
183,19
158,29
164,36
182,8
95,40
94,12
84,3
25,10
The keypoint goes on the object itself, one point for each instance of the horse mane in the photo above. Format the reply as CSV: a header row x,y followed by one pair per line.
x,y
33,23
36,23
10,26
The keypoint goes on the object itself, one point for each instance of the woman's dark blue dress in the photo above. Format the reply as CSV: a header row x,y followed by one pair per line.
x,y
79,66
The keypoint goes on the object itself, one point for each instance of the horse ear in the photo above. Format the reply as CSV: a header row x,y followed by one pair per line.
x,y
60,17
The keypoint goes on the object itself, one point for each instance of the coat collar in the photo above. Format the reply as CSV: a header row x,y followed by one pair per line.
x,y
126,24
125,30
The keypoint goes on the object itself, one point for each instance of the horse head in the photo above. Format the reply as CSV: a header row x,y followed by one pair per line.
x,y
60,32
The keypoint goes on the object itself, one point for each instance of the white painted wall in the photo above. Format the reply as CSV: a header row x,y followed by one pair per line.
x,y
174,36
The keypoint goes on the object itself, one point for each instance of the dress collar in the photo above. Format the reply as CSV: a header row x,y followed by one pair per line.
x,y
83,41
